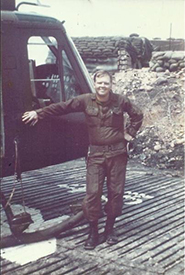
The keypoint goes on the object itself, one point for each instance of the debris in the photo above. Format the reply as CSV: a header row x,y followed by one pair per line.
x,y
160,141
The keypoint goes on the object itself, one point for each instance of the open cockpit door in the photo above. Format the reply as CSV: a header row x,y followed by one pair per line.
x,y
41,66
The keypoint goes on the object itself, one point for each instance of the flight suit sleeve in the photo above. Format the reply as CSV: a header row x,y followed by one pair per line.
x,y
135,115
73,105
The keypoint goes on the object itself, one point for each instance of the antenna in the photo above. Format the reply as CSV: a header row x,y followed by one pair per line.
x,y
170,36
39,4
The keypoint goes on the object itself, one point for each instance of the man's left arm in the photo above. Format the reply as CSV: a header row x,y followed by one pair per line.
x,y
136,118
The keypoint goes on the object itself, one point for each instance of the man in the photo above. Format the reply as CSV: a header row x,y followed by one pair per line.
x,y
107,154
144,49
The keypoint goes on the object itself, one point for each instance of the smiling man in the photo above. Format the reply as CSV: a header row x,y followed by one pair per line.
x,y
107,153
102,86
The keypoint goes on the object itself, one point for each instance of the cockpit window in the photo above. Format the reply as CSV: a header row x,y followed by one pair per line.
x,y
71,85
51,73
44,77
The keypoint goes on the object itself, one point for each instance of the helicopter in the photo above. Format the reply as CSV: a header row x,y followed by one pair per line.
x,y
40,66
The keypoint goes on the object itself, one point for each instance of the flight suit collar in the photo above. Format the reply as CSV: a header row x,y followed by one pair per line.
x,y
111,99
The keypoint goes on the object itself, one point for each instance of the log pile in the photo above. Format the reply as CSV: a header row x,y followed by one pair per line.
x,y
167,60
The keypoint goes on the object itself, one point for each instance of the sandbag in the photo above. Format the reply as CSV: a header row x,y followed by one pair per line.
x,y
169,60
178,55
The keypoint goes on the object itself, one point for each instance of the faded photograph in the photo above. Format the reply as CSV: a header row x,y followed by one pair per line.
x,y
92,137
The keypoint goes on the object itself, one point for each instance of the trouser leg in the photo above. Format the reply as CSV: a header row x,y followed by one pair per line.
x,y
92,201
115,186
96,171
116,168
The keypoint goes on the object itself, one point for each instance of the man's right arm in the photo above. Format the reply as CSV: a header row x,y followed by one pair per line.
x,y
72,105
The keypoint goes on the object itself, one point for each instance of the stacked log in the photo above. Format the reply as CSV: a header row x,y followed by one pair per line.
x,y
167,60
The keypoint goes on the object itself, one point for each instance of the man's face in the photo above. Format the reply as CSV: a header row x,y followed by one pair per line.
x,y
103,86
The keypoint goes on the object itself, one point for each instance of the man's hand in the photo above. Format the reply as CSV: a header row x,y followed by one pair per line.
x,y
128,138
30,117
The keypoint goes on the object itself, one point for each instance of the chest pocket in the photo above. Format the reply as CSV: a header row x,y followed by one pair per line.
x,y
117,117
92,111
92,116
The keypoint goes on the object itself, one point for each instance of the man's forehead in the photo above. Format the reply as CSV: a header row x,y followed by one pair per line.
x,y
103,77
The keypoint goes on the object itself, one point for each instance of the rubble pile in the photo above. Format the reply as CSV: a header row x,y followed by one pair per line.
x,y
160,141
167,60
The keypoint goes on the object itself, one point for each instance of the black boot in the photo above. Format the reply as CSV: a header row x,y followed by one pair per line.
x,y
92,239
109,233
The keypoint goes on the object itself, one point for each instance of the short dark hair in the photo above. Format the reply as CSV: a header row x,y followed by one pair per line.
x,y
134,35
101,73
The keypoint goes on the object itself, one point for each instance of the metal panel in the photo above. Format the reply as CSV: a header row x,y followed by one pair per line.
x,y
150,230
